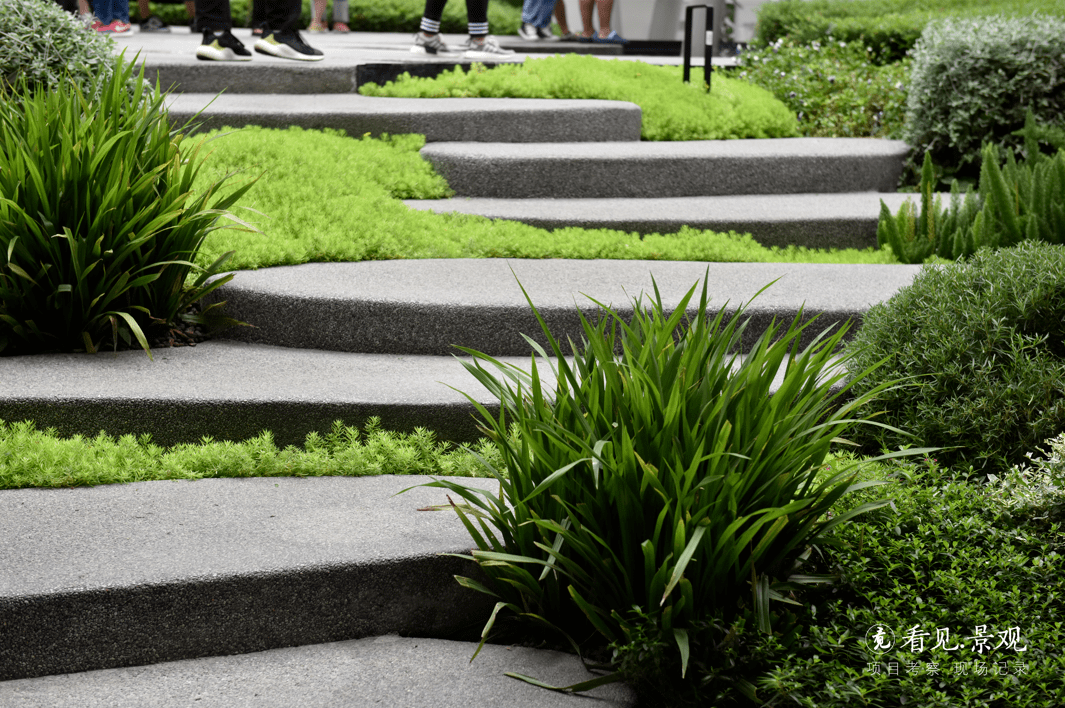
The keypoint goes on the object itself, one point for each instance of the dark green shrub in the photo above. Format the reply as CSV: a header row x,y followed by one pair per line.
x,y
832,87
973,82
1020,201
889,27
649,495
981,346
45,46
98,222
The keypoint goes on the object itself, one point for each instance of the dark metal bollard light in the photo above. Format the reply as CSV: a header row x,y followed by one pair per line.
x,y
708,38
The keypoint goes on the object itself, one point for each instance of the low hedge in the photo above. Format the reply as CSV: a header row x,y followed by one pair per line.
x,y
890,27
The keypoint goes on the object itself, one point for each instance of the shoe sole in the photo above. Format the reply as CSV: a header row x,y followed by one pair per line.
x,y
418,49
208,52
477,54
283,51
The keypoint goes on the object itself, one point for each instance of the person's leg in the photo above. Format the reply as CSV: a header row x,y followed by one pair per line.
x,y
340,15
477,18
282,15
213,15
586,18
281,38
606,9
317,17
149,22
104,11
190,8
560,15
542,18
434,10
427,40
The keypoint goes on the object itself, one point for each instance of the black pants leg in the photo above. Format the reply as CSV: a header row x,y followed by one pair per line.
x,y
281,15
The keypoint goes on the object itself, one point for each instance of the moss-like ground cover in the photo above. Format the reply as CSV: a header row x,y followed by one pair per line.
x,y
325,197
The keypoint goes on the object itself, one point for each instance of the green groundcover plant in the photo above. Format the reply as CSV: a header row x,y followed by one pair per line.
x,y
832,86
889,27
948,561
338,199
659,492
979,344
974,81
40,458
672,110
99,224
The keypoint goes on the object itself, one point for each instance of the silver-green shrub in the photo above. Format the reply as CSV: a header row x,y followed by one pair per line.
x,y
974,80
48,46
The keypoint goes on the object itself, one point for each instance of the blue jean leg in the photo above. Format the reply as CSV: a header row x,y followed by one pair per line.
x,y
107,11
537,12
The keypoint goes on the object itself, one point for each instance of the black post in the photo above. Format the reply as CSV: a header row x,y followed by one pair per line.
x,y
708,39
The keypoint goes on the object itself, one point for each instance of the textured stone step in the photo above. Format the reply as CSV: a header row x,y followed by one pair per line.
x,y
428,306
132,574
400,672
696,168
438,119
845,220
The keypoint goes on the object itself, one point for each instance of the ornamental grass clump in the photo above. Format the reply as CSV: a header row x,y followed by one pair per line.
x,y
99,223
658,494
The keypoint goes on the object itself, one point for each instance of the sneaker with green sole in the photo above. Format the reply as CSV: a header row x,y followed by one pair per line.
x,y
221,46
286,45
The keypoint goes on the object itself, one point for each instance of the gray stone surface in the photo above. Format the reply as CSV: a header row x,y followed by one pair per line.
x,y
669,169
387,670
124,575
439,119
812,220
427,306
235,391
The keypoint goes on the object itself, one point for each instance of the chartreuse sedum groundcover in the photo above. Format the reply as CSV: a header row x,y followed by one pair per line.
x,y
662,491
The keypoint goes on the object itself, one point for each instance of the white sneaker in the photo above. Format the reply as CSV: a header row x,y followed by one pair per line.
x,y
529,32
487,48
431,45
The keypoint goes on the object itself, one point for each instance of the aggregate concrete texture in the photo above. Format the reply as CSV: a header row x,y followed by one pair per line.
x,y
694,168
810,220
132,574
387,670
235,391
439,119
428,306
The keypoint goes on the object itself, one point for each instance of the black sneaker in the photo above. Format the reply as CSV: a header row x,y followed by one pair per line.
x,y
221,46
154,24
287,45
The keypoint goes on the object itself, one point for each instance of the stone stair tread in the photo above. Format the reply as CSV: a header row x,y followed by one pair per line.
x,y
427,306
525,120
846,220
131,574
388,670
669,169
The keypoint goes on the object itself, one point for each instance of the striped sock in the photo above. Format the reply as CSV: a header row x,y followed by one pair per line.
x,y
478,29
430,26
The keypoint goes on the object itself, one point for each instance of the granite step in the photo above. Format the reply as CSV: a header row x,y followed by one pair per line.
x,y
438,119
290,573
428,306
641,170
846,220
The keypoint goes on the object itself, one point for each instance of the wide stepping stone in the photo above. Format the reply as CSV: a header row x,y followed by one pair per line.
x,y
520,120
429,306
132,574
847,220
669,169
400,672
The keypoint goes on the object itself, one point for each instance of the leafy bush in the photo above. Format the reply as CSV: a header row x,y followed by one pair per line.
x,y
47,47
973,81
338,200
373,15
98,224
832,87
655,492
981,345
36,458
672,110
889,27
948,555
1019,202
